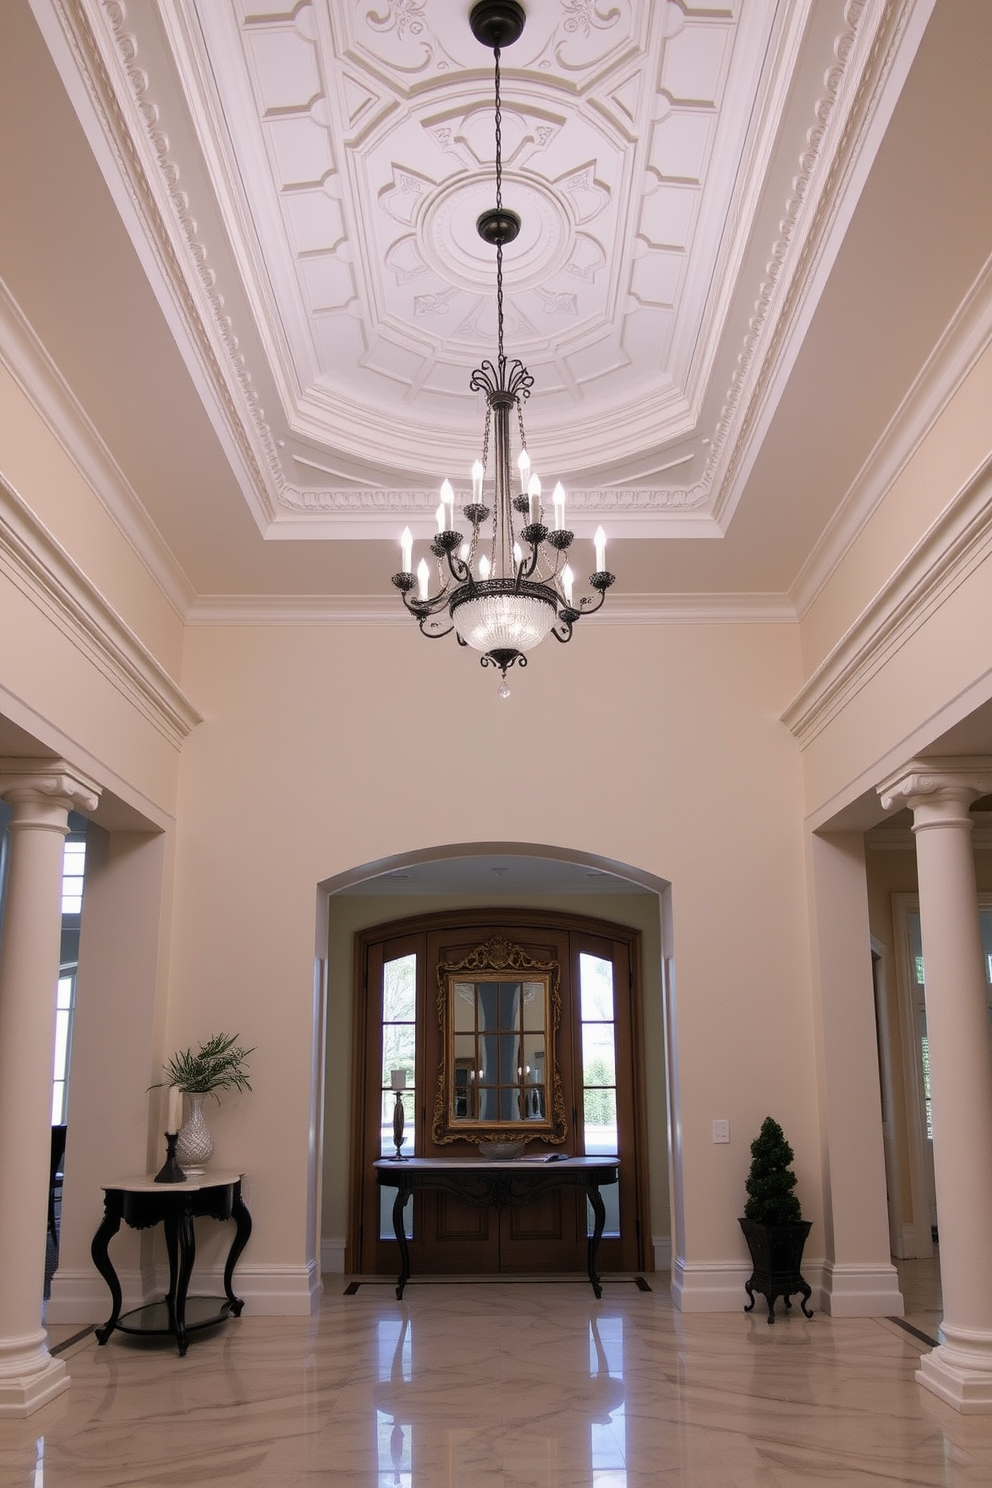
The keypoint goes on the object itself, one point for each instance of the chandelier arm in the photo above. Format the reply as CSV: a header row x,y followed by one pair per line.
x,y
421,608
562,629
433,635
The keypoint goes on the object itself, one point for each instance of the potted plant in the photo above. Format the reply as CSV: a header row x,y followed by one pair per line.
x,y
773,1224
218,1064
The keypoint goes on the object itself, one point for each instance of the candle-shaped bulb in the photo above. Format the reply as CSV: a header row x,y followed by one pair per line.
x,y
558,497
484,567
517,554
600,541
464,551
439,516
534,493
422,577
448,502
478,471
406,548
567,580
523,465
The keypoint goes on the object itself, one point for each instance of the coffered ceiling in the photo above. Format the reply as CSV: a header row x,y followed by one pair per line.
x,y
279,201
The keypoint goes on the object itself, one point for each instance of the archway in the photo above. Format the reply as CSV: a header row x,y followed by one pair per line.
x,y
478,875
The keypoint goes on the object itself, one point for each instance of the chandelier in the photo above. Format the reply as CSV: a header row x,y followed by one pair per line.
x,y
509,585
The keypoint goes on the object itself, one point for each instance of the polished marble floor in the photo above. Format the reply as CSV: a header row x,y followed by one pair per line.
x,y
506,1385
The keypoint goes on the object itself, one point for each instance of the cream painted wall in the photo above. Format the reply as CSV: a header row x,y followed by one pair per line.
x,y
325,749
41,471
349,914
941,466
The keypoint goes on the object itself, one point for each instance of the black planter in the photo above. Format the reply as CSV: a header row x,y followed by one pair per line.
x,y
776,1256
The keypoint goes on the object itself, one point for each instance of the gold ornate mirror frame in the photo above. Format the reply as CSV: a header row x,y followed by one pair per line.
x,y
499,1011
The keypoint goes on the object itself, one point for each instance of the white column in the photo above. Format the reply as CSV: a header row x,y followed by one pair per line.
x,y
939,793
41,794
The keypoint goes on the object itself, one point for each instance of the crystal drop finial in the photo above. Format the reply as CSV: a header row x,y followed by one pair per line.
x,y
503,690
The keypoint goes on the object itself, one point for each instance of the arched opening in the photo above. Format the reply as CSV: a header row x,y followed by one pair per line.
x,y
478,877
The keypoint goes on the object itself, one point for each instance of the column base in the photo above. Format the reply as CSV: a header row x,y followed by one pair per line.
x,y
29,1376
960,1374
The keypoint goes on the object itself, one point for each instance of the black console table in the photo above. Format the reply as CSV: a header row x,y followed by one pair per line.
x,y
141,1203
497,1185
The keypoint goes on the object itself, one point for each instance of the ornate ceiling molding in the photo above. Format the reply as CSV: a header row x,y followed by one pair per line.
x,y
396,288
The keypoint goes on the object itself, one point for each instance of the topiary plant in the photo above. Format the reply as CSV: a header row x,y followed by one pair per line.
x,y
770,1181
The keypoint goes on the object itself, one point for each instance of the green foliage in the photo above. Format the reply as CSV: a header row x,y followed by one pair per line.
x,y
218,1064
770,1181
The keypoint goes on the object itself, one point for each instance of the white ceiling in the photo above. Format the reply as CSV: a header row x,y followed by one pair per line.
x,y
245,235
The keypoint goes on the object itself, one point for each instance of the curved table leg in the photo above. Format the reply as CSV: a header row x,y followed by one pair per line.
x,y
242,1220
101,1259
403,1192
599,1210
171,1227
187,1255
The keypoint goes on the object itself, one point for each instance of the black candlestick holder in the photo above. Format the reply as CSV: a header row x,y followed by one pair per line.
x,y
170,1171
399,1121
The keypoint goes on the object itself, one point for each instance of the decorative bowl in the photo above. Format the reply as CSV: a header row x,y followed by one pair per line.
x,y
498,1151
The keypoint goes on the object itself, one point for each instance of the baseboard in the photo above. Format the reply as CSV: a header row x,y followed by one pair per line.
x,y
331,1256
718,1286
662,1248
851,1290
266,1291
709,1286
83,1296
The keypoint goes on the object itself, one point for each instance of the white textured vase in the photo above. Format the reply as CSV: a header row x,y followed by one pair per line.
x,y
194,1145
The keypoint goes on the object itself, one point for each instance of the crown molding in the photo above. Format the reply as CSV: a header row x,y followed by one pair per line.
x,y
953,547
963,342
37,564
872,58
49,394
623,609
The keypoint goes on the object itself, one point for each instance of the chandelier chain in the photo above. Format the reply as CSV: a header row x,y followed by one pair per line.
x,y
499,207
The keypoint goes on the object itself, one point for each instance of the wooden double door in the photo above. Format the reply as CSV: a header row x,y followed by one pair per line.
x,y
397,1027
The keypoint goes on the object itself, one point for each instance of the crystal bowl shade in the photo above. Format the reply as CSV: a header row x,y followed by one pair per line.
x,y
495,614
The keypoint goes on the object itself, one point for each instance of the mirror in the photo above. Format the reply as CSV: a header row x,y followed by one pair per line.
x,y
499,1011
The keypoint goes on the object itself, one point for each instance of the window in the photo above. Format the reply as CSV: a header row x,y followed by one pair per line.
x,y
73,874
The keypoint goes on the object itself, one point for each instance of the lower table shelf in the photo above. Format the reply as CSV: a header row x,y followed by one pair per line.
x,y
156,1318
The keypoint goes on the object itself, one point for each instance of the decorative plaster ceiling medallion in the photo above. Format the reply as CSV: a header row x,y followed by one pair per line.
x,y
451,246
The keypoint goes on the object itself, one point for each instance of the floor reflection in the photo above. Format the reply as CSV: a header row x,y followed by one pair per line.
x,y
409,1429
500,1384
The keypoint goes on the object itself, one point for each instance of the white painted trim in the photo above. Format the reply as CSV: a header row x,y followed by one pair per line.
x,y
852,1290
82,1296
709,1286
968,1390
383,609
953,547
661,1246
38,565
21,1394
332,1255
49,394
267,1291
949,364
718,1286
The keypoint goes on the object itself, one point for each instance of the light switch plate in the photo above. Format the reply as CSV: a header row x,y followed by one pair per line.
x,y
721,1131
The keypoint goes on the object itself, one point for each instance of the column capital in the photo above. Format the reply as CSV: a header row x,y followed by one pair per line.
x,y
953,778
55,779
